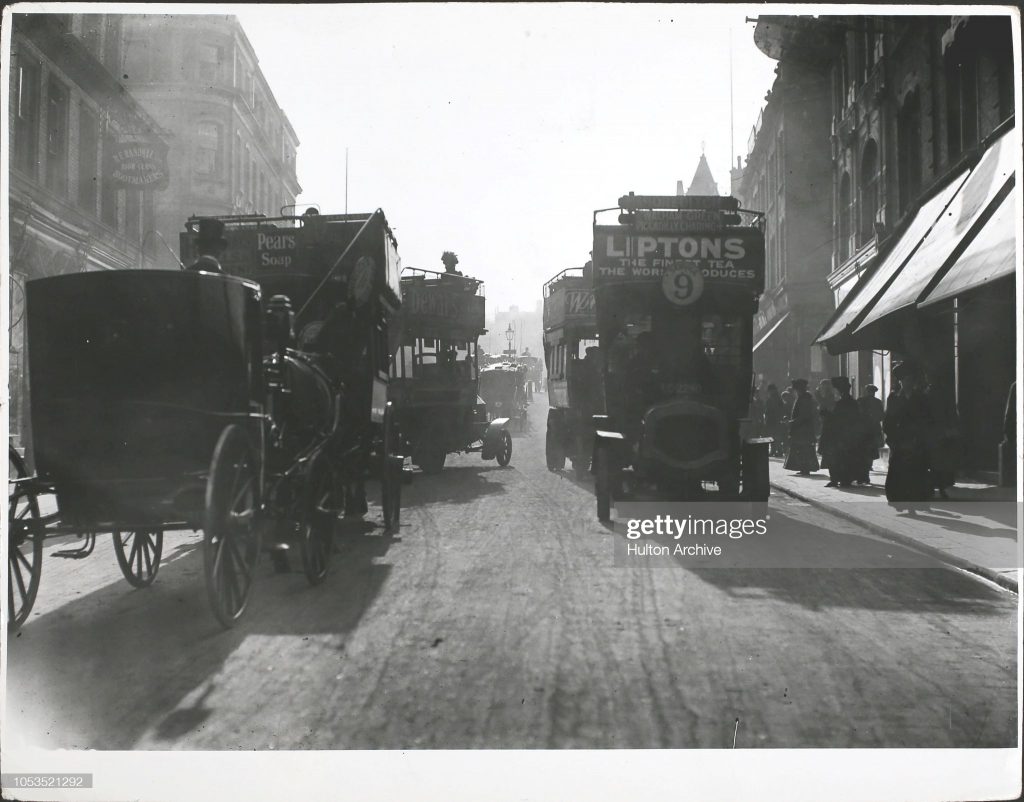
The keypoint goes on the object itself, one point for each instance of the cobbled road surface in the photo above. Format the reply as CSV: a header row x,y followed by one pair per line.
x,y
503,615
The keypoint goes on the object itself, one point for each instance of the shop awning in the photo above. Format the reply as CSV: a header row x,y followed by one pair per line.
x,y
991,255
861,299
771,330
959,224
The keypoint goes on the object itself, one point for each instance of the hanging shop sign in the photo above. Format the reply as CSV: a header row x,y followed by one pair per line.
x,y
138,161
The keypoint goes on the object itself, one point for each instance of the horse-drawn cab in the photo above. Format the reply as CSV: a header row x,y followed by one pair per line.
x,y
168,400
503,389
330,290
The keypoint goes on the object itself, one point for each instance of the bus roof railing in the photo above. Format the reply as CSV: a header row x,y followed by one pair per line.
x,y
568,273
419,273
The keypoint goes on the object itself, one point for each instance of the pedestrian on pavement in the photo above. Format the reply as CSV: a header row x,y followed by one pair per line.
x,y
210,244
788,399
873,412
907,426
774,414
842,437
756,413
826,397
944,444
803,423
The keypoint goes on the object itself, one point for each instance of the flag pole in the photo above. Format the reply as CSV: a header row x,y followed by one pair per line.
x,y
732,136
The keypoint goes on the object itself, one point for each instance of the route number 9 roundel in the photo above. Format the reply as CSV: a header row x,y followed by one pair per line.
x,y
682,285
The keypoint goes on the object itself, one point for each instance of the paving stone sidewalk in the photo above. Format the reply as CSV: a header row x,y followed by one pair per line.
x,y
976,529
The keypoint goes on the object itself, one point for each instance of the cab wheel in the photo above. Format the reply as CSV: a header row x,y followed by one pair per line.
x,y
231,534
24,543
138,555
504,455
318,520
553,453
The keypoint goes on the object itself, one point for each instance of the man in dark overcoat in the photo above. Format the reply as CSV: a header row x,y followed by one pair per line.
x,y
210,244
803,423
843,437
907,428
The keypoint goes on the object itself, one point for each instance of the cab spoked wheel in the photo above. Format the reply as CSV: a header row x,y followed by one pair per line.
x,y
603,484
24,543
504,453
231,536
138,554
318,519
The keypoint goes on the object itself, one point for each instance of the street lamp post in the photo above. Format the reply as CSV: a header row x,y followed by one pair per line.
x,y
510,335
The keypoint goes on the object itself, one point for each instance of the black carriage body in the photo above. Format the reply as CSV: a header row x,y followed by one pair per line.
x,y
434,383
134,374
502,387
573,378
675,294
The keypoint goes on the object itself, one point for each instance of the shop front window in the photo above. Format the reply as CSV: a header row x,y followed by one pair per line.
x,y
26,116
57,138
868,199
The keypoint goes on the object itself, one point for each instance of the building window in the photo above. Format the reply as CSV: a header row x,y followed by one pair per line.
x,y
112,44
88,158
132,213
961,102
236,167
137,59
57,137
782,249
108,190
246,162
860,56
845,79
92,32
867,203
208,149
908,143
148,223
26,116
1000,48
845,217
210,58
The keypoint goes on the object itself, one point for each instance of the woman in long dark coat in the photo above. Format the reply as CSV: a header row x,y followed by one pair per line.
x,y
803,422
907,428
774,415
842,437
873,412
944,446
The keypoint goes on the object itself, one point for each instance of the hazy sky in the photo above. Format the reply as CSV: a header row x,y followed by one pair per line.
x,y
496,130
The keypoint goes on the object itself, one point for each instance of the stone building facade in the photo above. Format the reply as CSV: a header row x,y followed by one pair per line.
x,y
68,117
923,150
232,148
786,177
